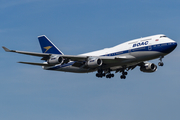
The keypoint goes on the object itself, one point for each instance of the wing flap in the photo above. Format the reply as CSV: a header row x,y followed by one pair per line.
x,y
84,58
78,64
75,57
38,64
124,57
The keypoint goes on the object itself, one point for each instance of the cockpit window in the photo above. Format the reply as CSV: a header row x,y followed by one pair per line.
x,y
163,36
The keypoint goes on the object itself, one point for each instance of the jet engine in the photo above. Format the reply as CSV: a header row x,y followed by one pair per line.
x,y
55,60
94,63
148,67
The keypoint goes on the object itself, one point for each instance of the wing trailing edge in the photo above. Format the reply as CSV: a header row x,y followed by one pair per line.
x,y
38,64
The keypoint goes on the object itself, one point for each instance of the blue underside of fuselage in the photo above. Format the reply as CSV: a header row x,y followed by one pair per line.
x,y
164,48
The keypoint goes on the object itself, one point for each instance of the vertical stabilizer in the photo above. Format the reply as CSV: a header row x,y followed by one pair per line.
x,y
47,46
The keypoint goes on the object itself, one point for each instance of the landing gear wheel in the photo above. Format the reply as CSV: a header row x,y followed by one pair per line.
x,y
160,63
125,73
109,75
123,77
112,75
99,75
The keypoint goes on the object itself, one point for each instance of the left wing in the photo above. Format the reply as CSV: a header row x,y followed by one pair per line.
x,y
77,58
28,53
46,56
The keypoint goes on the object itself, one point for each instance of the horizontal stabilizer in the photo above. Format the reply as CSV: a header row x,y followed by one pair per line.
x,y
39,64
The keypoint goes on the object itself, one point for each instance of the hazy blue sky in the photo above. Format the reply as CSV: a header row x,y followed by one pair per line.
x,y
79,26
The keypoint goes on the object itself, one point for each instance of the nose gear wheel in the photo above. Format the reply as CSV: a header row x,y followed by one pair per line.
x,y
161,63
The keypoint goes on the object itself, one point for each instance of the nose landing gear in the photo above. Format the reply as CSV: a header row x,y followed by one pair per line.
x,y
161,63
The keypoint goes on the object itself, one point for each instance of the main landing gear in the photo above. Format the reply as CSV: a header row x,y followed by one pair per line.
x,y
124,73
123,76
102,73
161,63
107,73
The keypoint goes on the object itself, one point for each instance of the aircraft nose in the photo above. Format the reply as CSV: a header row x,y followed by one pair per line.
x,y
174,45
171,47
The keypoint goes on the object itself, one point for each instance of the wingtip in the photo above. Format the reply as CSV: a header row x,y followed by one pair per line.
x,y
6,49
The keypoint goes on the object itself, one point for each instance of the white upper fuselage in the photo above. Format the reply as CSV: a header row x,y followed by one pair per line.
x,y
148,41
142,49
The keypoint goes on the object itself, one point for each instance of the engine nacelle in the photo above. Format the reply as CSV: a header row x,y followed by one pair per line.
x,y
55,60
148,67
93,63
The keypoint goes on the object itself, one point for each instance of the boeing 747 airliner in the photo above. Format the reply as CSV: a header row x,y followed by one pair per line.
x,y
120,58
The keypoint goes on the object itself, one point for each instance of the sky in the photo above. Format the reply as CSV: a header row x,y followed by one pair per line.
x,y
76,27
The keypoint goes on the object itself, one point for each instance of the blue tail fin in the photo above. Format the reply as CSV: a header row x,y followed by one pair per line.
x,y
47,46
